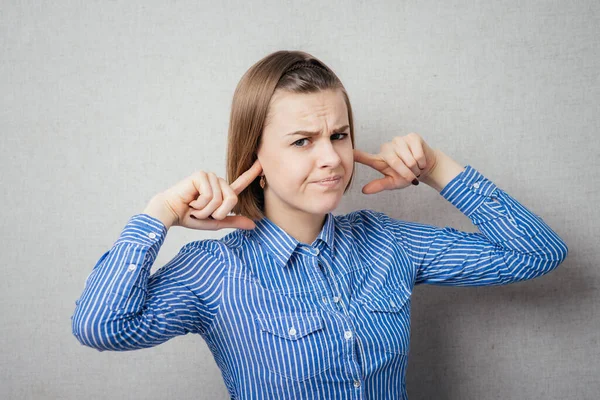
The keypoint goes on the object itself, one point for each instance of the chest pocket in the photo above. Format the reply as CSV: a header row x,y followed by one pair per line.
x,y
294,346
388,311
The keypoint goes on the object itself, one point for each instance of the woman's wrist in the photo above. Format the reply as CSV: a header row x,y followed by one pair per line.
x,y
158,209
443,172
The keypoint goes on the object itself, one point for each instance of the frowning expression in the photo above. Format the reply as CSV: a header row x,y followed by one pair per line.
x,y
306,139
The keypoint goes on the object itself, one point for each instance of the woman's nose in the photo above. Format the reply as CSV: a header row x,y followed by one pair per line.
x,y
328,155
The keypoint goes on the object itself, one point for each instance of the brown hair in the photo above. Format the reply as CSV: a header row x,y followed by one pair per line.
x,y
289,71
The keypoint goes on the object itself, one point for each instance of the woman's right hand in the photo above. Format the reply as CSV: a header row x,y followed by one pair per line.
x,y
203,200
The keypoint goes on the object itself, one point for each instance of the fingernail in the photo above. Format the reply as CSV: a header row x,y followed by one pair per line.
x,y
415,182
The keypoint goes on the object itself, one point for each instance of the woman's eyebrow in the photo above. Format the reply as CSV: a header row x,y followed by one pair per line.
x,y
308,133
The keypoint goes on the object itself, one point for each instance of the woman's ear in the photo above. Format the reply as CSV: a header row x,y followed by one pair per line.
x,y
262,173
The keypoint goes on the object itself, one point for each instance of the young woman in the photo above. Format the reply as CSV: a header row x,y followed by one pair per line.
x,y
296,302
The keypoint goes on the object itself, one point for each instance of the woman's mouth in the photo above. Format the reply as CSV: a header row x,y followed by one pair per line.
x,y
330,182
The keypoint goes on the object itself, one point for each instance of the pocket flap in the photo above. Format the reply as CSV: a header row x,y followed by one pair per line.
x,y
392,300
290,327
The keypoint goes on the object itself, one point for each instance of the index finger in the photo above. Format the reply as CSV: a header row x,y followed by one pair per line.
x,y
369,159
246,178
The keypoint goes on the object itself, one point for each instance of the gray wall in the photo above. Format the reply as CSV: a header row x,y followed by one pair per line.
x,y
105,104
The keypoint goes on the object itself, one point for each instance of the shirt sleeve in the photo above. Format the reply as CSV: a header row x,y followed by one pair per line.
x,y
124,308
513,244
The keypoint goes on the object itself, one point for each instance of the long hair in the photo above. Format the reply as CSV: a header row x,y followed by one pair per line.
x,y
288,71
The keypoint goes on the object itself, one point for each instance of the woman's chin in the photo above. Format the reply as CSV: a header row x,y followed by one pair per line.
x,y
326,206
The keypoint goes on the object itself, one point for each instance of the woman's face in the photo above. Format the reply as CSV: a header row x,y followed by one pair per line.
x,y
293,163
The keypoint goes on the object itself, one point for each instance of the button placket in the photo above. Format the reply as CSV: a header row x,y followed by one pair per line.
x,y
337,298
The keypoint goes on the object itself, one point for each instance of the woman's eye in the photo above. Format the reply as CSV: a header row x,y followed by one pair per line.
x,y
343,135
294,144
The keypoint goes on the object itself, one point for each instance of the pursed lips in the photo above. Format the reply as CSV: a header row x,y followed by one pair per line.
x,y
333,178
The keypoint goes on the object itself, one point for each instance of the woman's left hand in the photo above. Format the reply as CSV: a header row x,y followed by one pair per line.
x,y
402,160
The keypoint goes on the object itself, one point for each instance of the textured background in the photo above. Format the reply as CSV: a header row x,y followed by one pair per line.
x,y
106,103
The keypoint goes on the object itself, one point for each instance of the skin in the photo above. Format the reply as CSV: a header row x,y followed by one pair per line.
x,y
292,164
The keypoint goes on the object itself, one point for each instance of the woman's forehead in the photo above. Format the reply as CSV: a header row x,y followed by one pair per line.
x,y
292,111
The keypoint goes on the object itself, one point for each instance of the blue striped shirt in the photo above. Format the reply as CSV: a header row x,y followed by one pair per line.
x,y
288,320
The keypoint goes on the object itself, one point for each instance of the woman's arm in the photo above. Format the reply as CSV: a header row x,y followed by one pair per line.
x,y
123,308
514,243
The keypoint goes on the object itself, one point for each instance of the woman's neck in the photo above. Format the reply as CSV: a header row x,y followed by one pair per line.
x,y
302,226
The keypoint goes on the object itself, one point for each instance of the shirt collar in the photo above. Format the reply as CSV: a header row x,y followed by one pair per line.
x,y
281,245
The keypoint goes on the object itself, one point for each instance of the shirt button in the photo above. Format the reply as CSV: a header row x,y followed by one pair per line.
x,y
348,334
336,298
392,303
152,235
476,185
132,267
292,331
356,383
317,252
